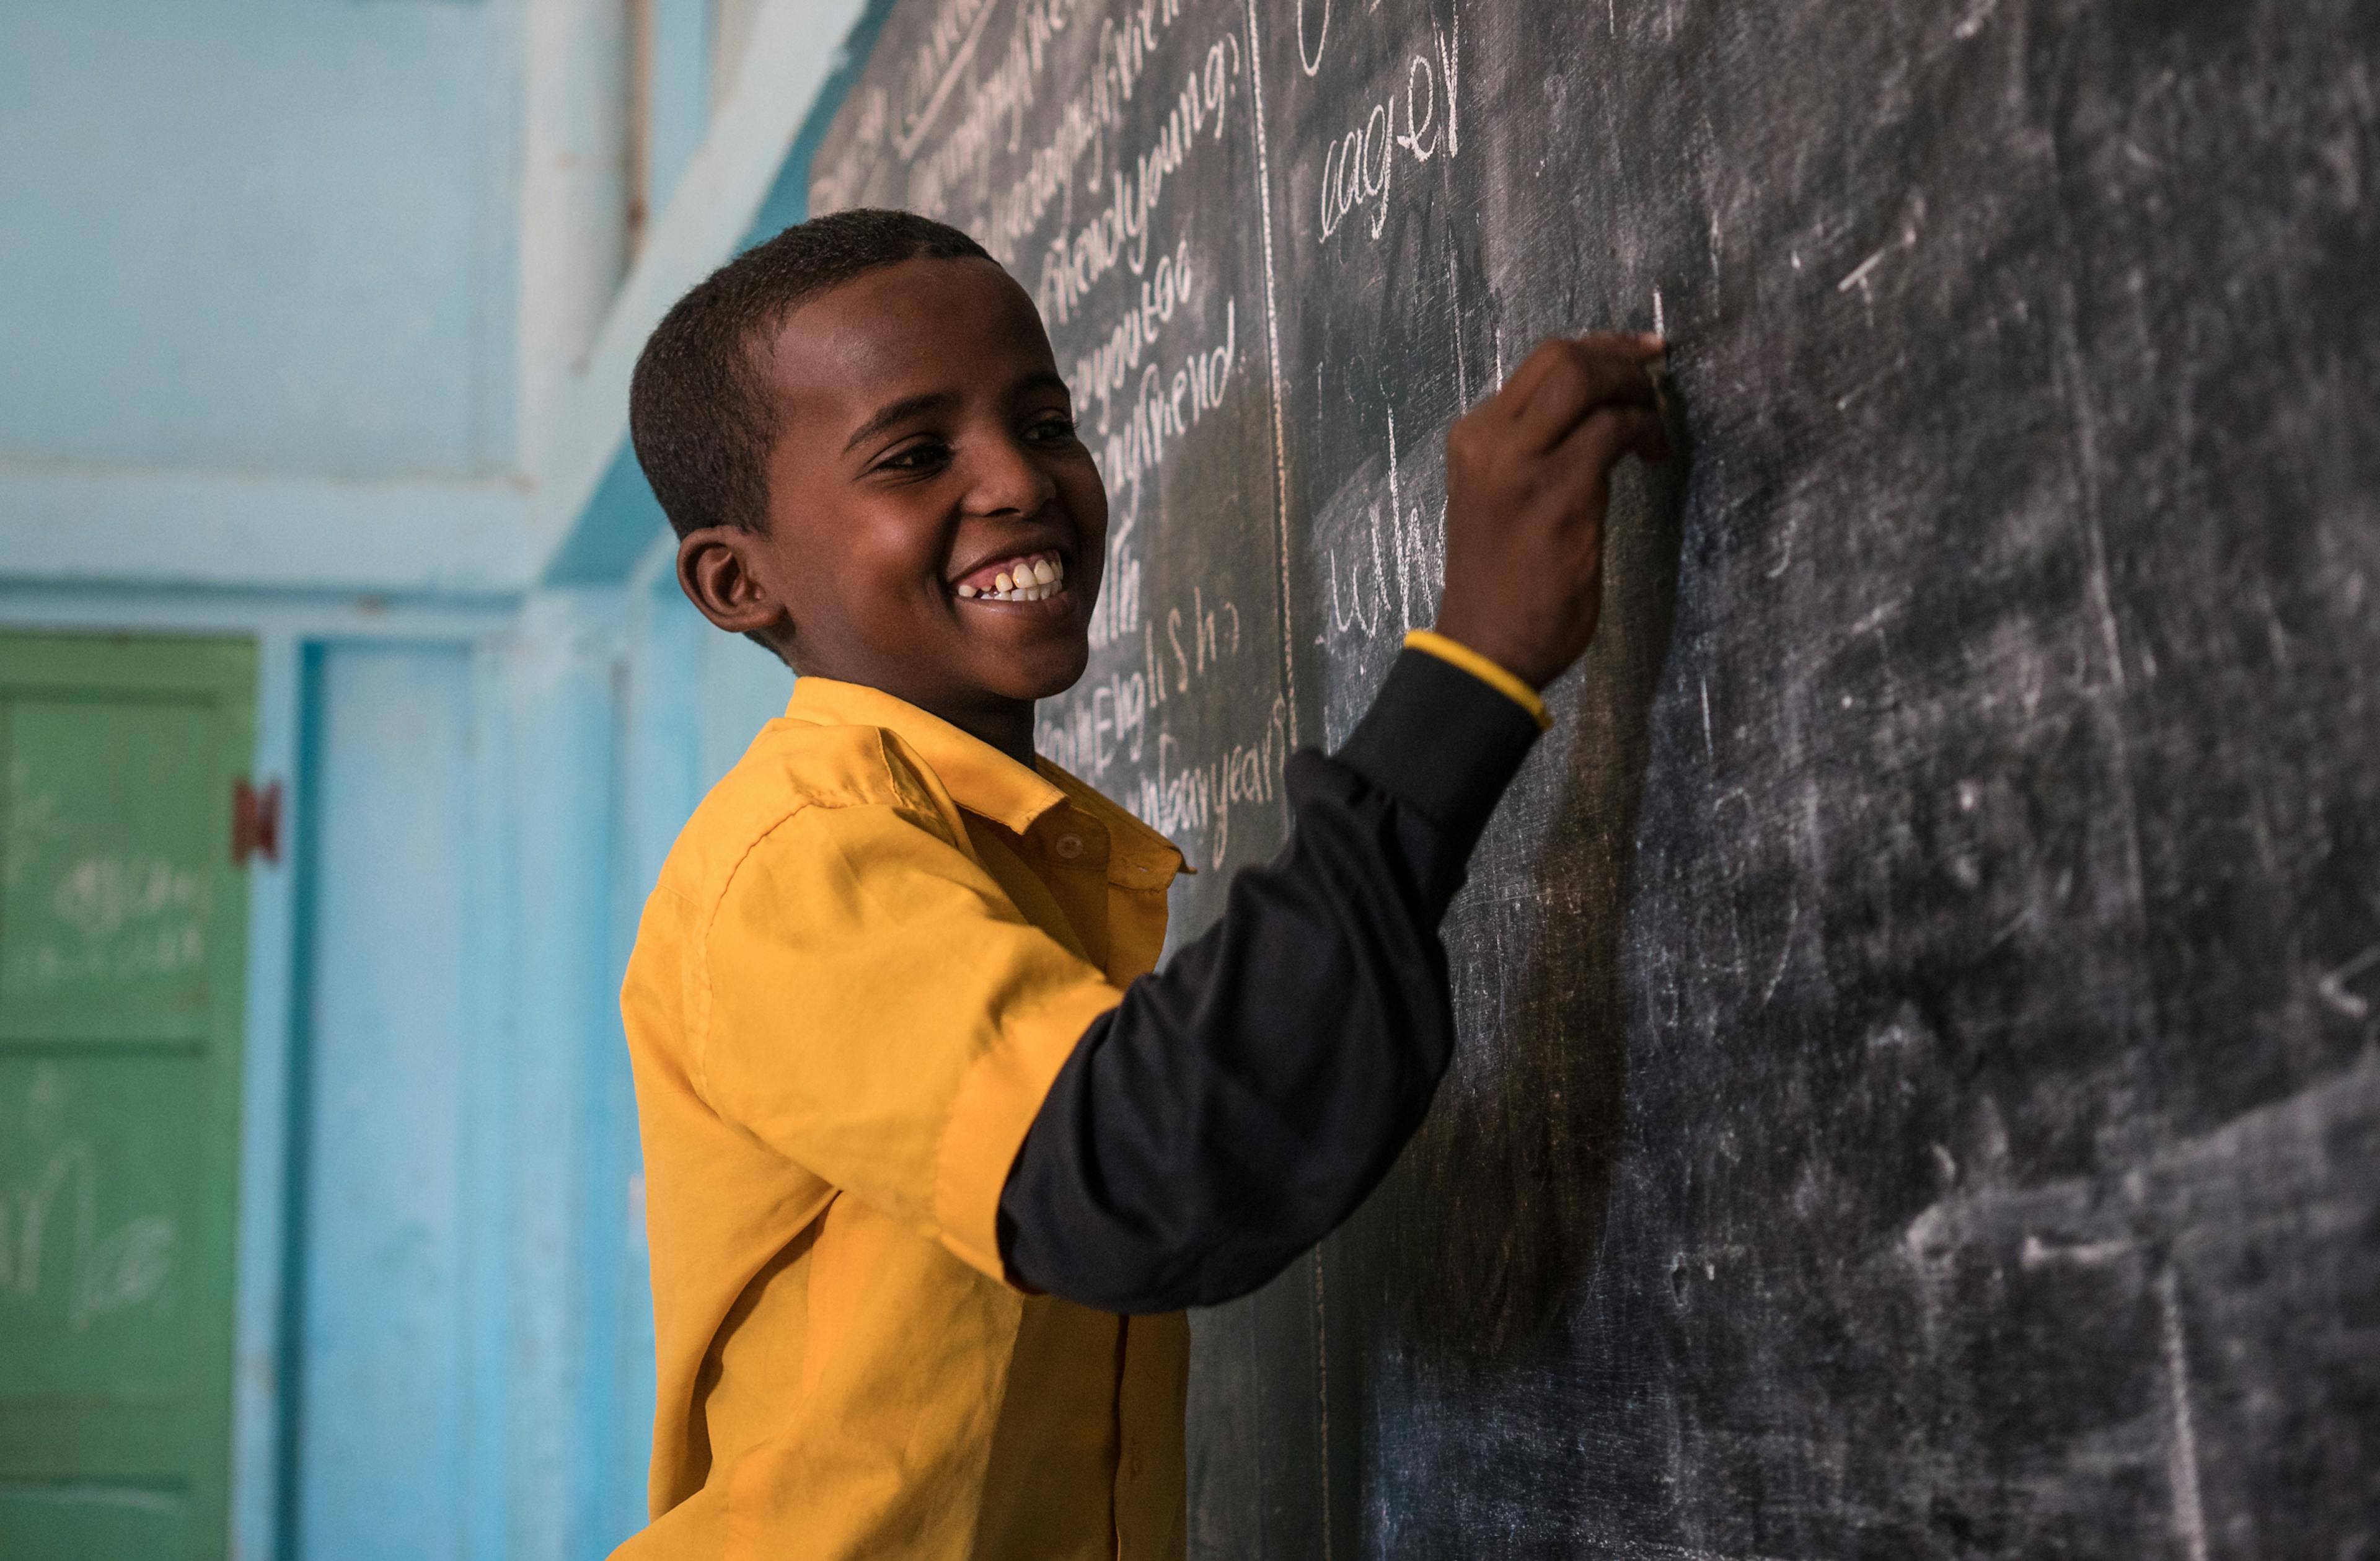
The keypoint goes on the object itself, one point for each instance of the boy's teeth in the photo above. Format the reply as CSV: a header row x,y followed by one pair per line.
x,y
1033,580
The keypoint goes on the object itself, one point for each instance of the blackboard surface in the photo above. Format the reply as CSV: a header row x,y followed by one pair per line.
x,y
1920,1084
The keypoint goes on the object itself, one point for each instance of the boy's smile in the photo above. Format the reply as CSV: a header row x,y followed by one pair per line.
x,y
1031,578
936,530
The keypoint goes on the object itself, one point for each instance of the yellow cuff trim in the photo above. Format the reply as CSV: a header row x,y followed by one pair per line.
x,y
1457,654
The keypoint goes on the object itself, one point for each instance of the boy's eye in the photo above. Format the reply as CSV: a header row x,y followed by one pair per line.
x,y
924,455
1052,428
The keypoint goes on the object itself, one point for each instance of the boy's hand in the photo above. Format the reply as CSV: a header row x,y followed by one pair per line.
x,y
1528,475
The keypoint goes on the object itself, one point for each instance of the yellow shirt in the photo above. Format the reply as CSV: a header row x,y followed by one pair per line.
x,y
868,955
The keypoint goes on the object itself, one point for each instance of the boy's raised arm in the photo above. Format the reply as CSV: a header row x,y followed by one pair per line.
x,y
1240,1103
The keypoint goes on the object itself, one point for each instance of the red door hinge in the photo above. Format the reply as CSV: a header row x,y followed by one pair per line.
x,y
255,822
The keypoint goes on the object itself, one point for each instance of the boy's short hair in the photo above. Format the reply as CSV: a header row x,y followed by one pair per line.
x,y
698,405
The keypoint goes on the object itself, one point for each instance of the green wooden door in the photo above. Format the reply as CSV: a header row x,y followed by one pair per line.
x,y
122,926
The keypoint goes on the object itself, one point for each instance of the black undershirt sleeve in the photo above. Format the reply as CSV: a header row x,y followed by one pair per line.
x,y
1239,1103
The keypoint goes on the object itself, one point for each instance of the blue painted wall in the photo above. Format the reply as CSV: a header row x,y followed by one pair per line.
x,y
678,94
392,1192
258,235
273,242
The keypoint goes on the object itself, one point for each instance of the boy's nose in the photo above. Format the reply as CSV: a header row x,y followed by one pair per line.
x,y
1007,479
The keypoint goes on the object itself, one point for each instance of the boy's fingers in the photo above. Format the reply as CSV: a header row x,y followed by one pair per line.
x,y
1586,458
1548,357
1645,346
1586,381
1655,450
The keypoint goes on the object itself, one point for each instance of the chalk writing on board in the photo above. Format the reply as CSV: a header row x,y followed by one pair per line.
x,y
1193,800
1390,584
1099,373
1118,232
995,105
1792,927
1090,732
935,70
1361,165
1166,407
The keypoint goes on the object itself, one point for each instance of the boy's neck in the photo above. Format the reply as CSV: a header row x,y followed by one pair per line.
x,y
1004,724
1008,728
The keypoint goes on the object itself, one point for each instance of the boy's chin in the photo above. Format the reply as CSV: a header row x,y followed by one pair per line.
x,y
1050,670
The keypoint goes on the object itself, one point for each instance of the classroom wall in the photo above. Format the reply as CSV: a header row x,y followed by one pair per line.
x,y
261,264
259,236
279,379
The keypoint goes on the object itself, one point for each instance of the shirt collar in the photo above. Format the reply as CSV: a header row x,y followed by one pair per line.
x,y
980,778
983,780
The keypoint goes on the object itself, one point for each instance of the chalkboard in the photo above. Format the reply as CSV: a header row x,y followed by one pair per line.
x,y
1919,1093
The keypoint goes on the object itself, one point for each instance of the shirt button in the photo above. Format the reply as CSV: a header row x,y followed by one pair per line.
x,y
1069,846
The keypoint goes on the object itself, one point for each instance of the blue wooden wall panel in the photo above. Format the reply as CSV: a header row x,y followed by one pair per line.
x,y
381,1251
659,783
574,1125
492,887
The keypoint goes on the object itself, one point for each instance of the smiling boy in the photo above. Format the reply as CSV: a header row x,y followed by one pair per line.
x,y
933,1159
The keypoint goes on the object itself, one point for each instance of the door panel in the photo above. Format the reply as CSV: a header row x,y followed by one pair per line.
x,y
122,926
116,837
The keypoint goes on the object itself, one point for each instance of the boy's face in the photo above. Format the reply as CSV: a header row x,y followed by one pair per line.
x,y
925,453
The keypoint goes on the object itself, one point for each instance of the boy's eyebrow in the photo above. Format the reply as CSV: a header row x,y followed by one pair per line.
x,y
934,400
899,411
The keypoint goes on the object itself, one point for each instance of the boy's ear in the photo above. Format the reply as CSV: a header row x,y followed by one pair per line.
x,y
715,569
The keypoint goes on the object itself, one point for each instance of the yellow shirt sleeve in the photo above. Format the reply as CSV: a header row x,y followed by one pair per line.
x,y
880,1013
1457,654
